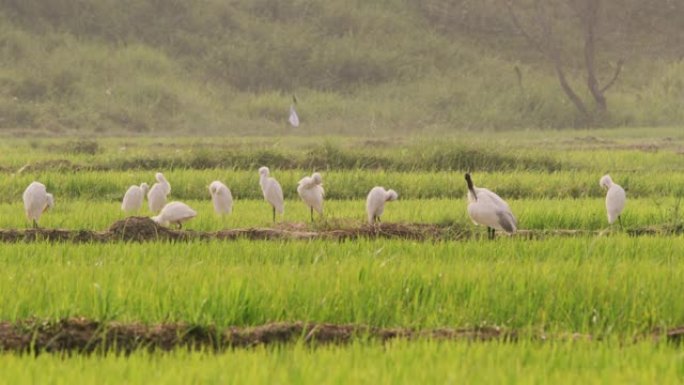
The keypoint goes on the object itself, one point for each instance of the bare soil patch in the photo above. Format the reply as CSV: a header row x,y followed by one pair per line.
x,y
79,335
143,229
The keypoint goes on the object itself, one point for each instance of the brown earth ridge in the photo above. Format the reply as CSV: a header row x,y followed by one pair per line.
x,y
142,229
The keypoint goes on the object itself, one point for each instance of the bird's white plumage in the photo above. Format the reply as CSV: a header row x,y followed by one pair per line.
x,y
162,180
272,191
310,189
174,213
294,118
36,201
488,209
221,197
615,198
134,198
156,197
375,202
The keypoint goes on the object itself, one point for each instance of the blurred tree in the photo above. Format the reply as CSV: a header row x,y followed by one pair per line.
x,y
535,22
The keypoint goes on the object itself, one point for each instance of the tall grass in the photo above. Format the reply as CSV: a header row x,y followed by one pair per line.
x,y
602,286
539,214
362,363
639,151
344,185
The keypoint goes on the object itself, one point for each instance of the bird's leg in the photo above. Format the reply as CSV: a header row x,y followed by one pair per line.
x,y
180,226
620,221
312,219
35,224
274,214
490,233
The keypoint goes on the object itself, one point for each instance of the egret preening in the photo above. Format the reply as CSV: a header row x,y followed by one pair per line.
x,y
175,213
134,198
310,189
156,197
294,118
221,197
488,209
615,199
375,203
36,201
273,193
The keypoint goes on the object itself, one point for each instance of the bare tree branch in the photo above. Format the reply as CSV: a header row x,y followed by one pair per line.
x,y
547,48
618,69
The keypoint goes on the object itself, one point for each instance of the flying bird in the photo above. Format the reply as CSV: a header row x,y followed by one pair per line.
x,y
375,203
310,189
294,118
273,193
134,198
175,213
36,201
615,199
156,197
488,209
221,197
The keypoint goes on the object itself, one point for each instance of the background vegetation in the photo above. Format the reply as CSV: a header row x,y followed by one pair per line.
x,y
150,66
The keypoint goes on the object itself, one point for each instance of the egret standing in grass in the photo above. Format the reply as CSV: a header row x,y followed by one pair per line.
x,y
156,197
375,203
294,118
175,213
221,197
488,209
36,201
615,199
134,198
273,193
310,189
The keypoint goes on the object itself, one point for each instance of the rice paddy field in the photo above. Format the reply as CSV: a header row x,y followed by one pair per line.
x,y
578,302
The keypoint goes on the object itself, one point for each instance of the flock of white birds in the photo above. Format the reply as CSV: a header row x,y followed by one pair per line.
x,y
484,206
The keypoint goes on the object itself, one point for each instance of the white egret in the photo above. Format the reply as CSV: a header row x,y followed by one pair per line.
x,y
273,193
488,209
294,118
36,201
156,197
221,197
375,203
134,198
175,213
310,189
615,199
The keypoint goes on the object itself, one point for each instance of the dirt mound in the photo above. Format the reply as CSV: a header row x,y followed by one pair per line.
x,y
137,229
80,335
85,336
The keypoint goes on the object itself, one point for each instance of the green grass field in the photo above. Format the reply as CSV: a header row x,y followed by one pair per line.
x,y
362,363
609,285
